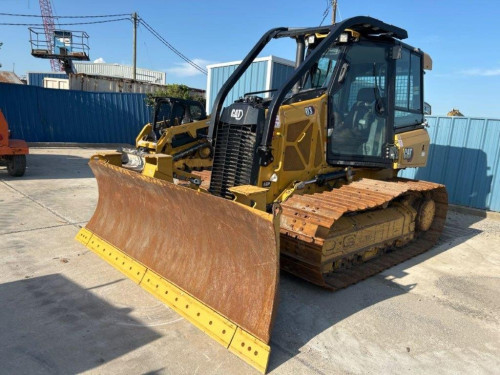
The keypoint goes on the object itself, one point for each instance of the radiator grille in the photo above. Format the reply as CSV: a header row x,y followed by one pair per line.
x,y
233,158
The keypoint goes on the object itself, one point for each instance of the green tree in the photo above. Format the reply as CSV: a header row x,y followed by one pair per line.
x,y
175,91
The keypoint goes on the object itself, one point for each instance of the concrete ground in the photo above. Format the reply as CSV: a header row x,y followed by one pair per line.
x,y
65,311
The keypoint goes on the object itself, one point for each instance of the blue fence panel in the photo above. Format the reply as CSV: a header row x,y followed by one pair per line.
x,y
464,153
48,115
465,156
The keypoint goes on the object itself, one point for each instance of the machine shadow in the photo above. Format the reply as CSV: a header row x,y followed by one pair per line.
x,y
469,184
306,310
50,325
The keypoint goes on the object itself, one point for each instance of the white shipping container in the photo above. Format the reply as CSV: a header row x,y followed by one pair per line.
x,y
56,83
92,83
120,71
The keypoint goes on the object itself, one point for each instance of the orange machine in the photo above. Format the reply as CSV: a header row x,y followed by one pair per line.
x,y
12,151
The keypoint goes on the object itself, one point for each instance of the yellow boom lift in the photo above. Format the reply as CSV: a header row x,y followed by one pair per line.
x,y
305,181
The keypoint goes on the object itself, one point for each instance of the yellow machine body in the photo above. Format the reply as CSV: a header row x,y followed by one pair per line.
x,y
215,258
165,145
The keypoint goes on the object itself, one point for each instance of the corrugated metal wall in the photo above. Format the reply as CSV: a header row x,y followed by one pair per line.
x,y
464,153
45,115
121,71
264,73
36,78
254,79
281,73
465,156
85,82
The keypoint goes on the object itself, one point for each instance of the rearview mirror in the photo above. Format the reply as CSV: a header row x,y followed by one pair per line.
x,y
427,109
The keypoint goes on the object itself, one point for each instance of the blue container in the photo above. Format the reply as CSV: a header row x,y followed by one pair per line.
x,y
46,115
465,156
265,73
36,78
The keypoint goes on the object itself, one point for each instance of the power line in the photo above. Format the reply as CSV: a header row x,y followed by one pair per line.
x,y
141,21
64,24
325,13
171,47
39,16
338,11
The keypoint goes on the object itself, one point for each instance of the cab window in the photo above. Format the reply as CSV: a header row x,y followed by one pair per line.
x,y
163,112
408,90
196,112
320,74
358,105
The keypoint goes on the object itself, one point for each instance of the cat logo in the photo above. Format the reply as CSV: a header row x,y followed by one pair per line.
x,y
237,114
408,153
309,110
349,241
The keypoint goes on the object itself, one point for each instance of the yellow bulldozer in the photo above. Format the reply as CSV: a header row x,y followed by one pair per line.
x,y
304,180
178,128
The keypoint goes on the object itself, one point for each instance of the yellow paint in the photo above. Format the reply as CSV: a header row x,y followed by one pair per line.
x,y
246,346
203,317
159,166
250,195
250,349
83,236
299,148
112,157
418,141
117,258
193,163
165,141
365,233
140,139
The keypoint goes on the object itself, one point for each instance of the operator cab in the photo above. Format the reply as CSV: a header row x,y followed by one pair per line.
x,y
375,89
373,83
168,112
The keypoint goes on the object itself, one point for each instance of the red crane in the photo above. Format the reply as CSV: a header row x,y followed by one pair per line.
x,y
49,27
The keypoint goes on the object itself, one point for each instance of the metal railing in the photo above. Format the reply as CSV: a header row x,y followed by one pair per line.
x,y
62,44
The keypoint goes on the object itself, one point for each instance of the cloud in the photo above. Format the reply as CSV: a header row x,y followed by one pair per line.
x,y
100,60
186,70
481,72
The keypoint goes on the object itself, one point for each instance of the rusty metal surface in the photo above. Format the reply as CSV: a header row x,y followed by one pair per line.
x,y
307,220
205,178
221,253
10,77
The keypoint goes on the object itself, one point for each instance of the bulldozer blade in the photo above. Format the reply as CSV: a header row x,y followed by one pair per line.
x,y
213,261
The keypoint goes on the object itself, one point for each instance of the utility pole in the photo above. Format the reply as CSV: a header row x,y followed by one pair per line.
x,y
334,11
134,48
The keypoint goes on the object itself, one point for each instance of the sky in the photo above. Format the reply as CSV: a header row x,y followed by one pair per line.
x,y
462,37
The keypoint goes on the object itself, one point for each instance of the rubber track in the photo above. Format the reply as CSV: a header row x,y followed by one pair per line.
x,y
306,222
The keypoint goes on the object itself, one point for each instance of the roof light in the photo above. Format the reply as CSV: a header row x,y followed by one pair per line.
x,y
344,38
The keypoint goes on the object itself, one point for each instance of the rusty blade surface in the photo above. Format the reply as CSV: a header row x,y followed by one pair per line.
x,y
223,254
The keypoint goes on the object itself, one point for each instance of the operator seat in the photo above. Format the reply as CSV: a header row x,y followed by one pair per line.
x,y
362,111
350,134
